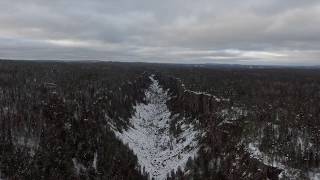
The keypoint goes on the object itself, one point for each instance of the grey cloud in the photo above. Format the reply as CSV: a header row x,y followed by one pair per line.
x,y
182,31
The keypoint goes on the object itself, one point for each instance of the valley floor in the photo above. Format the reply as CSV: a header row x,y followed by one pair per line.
x,y
158,151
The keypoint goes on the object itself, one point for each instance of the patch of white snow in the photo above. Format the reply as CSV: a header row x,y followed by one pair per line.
x,y
79,168
95,159
314,175
158,151
287,172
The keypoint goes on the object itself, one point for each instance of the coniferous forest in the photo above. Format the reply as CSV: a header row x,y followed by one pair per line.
x,y
97,120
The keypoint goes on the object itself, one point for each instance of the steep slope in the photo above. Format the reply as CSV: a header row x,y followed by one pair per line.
x,y
158,151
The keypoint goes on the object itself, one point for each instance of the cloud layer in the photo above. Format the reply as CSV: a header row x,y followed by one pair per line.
x,y
282,32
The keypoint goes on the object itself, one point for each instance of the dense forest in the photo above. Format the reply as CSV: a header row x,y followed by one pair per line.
x,y
55,116
65,120
274,114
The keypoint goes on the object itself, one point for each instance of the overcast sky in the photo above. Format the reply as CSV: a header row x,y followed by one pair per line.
x,y
281,32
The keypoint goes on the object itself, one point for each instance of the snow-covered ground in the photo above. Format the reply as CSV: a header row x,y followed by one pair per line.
x,y
78,166
314,174
158,151
231,115
31,143
218,99
288,172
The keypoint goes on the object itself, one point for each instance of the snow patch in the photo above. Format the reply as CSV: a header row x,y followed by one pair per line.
x,y
232,114
287,172
30,143
201,93
149,137
314,175
79,168
206,94
95,159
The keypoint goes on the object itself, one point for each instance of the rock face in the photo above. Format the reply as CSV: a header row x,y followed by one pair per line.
x,y
157,150
188,101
